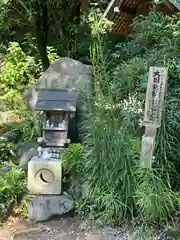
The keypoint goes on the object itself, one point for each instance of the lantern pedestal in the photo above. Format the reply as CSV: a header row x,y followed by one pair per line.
x,y
44,176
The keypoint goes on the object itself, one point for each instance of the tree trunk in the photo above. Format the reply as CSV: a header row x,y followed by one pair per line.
x,y
75,19
41,22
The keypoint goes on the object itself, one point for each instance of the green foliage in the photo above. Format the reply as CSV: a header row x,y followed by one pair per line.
x,y
99,25
6,151
153,197
73,159
12,189
28,129
111,152
117,186
52,55
133,74
21,209
61,24
28,45
16,74
111,148
2,2
108,162
158,39
50,22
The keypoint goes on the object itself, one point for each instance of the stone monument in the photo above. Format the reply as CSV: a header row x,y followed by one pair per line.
x,y
153,112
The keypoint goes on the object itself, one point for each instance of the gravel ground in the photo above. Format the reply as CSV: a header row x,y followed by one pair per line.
x,y
68,229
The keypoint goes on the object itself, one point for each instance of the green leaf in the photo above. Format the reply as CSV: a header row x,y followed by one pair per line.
x,y
2,2
3,188
144,81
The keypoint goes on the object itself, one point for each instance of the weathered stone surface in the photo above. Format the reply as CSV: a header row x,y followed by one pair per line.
x,y
42,208
25,152
21,148
64,73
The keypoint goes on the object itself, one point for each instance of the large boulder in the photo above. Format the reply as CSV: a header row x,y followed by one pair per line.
x,y
64,73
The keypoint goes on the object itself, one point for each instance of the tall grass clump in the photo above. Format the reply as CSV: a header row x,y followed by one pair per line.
x,y
111,147
116,187
154,199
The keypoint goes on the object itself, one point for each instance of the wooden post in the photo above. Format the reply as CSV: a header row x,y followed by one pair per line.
x,y
153,112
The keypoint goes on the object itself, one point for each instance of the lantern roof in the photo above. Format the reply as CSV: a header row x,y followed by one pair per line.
x,y
56,100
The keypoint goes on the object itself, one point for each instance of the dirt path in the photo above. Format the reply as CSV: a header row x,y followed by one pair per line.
x,y
56,229
66,228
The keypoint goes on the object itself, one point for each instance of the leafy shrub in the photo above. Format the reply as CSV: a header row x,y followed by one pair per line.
x,y
12,189
73,160
18,71
6,151
132,74
52,55
28,129
16,74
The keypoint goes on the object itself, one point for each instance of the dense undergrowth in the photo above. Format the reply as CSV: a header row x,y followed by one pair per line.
x,y
116,187
12,190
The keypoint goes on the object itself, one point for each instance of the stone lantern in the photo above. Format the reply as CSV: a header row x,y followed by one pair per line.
x,y
45,170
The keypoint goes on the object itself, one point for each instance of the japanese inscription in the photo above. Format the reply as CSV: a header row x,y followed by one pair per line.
x,y
155,96
153,112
